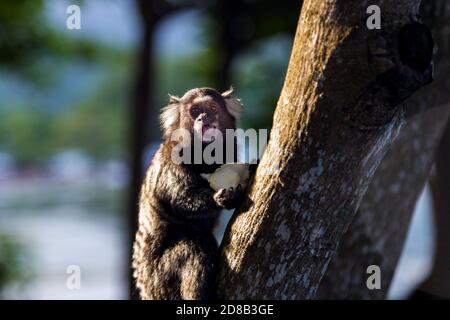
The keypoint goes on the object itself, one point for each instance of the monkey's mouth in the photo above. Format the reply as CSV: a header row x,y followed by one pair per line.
x,y
209,133
207,127
206,132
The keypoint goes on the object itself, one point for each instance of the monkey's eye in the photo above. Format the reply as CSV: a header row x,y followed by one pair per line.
x,y
212,108
195,111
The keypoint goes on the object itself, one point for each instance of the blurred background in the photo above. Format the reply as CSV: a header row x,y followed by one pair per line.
x,y
78,125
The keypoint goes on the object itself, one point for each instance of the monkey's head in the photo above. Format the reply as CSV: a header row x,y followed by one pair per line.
x,y
203,112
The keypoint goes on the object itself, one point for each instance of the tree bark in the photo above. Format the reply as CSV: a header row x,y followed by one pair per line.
x,y
339,109
377,234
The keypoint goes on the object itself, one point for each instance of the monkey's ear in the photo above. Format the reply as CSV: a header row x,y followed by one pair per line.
x,y
170,115
173,99
234,105
228,93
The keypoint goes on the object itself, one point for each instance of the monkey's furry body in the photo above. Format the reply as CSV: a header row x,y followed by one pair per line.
x,y
175,251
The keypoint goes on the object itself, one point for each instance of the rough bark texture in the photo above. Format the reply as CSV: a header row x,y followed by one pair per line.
x,y
377,234
339,108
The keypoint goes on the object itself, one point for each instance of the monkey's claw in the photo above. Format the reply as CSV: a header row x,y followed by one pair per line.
x,y
228,198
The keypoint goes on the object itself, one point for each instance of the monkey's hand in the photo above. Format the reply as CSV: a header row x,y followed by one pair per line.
x,y
229,198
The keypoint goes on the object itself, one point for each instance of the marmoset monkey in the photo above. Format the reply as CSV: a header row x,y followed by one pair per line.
x,y
175,251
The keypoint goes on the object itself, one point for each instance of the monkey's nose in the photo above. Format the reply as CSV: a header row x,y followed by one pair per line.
x,y
205,118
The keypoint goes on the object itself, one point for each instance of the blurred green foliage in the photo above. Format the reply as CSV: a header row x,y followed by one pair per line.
x,y
96,122
35,55
24,132
262,65
96,125
26,39
15,267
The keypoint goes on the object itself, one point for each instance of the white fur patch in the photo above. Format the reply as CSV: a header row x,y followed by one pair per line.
x,y
228,93
170,114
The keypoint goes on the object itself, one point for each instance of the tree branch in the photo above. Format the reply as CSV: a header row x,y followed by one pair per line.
x,y
337,113
377,234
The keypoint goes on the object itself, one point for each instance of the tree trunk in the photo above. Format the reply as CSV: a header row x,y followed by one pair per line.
x,y
339,109
139,119
377,234
227,42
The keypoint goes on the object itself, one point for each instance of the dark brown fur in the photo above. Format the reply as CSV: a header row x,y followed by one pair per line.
x,y
175,251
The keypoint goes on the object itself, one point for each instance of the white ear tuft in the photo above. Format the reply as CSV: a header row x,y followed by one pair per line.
x,y
173,99
170,115
228,93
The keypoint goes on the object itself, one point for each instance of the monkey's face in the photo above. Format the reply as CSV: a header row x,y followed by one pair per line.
x,y
203,112
209,118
